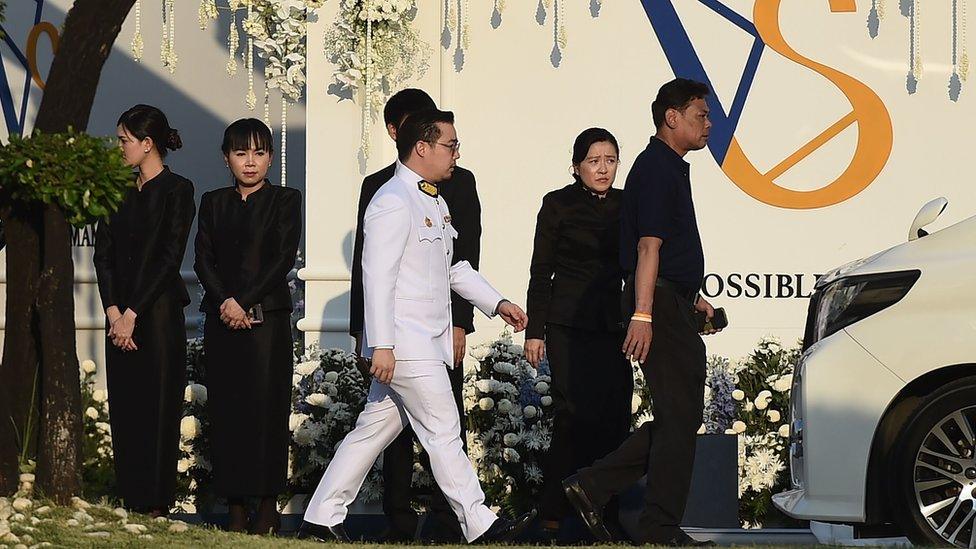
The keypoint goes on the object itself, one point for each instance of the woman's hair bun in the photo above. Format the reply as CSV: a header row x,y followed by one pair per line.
x,y
173,141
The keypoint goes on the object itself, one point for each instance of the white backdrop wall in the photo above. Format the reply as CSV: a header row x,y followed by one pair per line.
x,y
517,116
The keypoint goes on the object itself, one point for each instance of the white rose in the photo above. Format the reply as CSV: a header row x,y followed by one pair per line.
x,y
542,387
510,439
773,415
761,404
530,411
635,403
483,385
479,353
738,394
99,395
547,401
103,426
91,413
784,430
505,406
88,366
784,383
306,368
296,379
295,421
332,377
511,456
739,427
318,399
195,393
515,349
764,394
189,427
486,404
182,465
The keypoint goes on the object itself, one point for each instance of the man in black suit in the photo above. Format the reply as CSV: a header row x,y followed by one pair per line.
x,y
462,198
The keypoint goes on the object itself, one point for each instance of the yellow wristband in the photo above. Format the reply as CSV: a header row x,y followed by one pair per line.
x,y
641,318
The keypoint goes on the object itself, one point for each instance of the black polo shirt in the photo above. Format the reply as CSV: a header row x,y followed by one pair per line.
x,y
657,202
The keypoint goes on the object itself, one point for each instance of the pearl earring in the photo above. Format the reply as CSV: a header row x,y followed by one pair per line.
x,y
147,151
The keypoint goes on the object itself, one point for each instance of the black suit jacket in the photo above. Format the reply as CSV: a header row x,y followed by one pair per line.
x,y
139,249
461,196
245,249
576,276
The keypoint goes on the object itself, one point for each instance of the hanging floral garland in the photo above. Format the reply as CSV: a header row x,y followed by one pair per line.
x,y
544,9
375,50
911,9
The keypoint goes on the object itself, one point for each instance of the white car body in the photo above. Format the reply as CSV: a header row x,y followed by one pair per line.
x,y
853,388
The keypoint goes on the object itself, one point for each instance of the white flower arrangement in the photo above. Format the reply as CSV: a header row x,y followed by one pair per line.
x,y
326,401
375,50
509,429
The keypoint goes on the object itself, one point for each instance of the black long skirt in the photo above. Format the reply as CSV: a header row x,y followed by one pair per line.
x,y
249,393
592,388
145,396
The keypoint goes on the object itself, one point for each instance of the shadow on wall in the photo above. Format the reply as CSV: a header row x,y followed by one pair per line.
x,y
335,314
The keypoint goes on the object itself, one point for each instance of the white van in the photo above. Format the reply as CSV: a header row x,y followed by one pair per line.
x,y
884,396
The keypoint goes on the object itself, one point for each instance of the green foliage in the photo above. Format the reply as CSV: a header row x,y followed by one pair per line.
x,y
84,175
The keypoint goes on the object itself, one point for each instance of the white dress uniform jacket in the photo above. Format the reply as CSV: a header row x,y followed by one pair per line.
x,y
408,276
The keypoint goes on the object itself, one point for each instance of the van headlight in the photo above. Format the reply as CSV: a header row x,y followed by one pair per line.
x,y
848,300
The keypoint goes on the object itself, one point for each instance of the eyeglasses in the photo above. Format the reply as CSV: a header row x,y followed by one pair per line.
x,y
455,147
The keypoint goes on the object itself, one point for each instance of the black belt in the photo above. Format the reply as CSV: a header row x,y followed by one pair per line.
x,y
682,291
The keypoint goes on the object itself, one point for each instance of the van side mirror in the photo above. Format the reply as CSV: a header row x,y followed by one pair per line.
x,y
928,214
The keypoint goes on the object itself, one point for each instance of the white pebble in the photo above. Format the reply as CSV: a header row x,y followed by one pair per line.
x,y
17,517
22,504
120,512
99,534
10,537
160,519
178,527
72,522
42,510
135,528
79,503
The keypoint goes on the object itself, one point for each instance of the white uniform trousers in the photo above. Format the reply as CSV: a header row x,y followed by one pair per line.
x,y
421,394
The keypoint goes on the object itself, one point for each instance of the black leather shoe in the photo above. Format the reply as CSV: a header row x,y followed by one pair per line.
x,y
681,539
325,534
591,513
504,530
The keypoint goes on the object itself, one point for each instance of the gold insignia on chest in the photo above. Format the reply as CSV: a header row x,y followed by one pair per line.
x,y
428,222
427,188
447,219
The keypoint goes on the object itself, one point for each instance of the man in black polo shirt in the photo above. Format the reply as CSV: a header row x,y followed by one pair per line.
x,y
462,198
661,249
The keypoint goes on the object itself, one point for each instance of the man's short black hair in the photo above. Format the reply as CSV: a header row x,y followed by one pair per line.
x,y
406,102
420,126
676,94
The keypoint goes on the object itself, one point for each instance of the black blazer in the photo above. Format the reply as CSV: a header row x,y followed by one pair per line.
x,y
575,277
461,196
139,249
246,248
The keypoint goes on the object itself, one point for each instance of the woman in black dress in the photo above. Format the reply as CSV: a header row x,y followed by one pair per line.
x,y
247,238
138,253
575,318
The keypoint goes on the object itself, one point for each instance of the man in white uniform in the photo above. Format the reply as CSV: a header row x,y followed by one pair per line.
x,y
407,283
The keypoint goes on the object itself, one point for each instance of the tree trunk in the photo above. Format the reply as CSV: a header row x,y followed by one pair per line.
x,y
59,454
90,29
18,370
